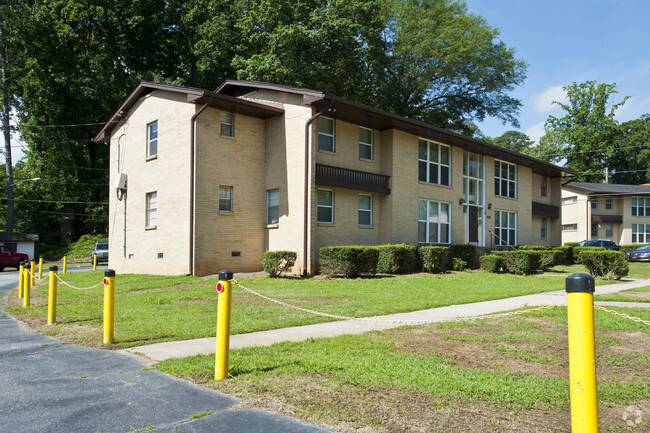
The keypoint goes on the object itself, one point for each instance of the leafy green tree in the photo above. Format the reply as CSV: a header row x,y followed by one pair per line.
x,y
513,140
630,161
585,135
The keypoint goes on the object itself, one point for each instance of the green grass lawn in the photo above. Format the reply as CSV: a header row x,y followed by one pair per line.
x,y
161,308
639,294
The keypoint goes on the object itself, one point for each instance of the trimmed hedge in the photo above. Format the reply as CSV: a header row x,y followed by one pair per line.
x,y
520,262
606,264
551,257
277,263
432,259
465,252
491,263
577,253
396,259
349,261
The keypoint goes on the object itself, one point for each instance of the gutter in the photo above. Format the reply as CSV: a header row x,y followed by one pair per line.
x,y
192,146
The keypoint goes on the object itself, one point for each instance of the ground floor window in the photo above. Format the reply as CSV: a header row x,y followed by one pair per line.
x,y
505,227
152,209
272,206
225,198
365,210
569,227
544,228
325,212
640,233
609,230
594,230
434,223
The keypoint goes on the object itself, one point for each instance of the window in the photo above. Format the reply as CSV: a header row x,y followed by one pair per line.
x,y
544,228
365,143
505,227
272,206
365,210
434,222
641,206
543,186
640,233
152,139
225,198
325,212
227,124
505,179
152,209
609,203
594,230
326,134
569,227
570,200
594,202
609,230
434,163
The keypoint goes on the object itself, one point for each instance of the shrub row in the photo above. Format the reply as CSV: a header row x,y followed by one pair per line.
x,y
607,264
277,263
524,261
352,261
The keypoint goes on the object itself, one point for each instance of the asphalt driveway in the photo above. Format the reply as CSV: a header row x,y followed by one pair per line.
x,y
46,386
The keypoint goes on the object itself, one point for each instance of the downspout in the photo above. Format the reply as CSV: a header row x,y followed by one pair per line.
x,y
192,145
307,183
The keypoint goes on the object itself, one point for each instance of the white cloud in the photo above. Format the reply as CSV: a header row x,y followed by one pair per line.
x,y
535,131
543,102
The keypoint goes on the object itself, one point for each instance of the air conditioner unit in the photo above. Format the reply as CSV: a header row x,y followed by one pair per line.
x,y
120,181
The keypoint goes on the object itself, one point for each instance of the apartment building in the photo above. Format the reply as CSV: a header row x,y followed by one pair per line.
x,y
620,213
209,180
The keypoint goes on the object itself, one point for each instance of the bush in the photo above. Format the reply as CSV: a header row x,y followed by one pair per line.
x,y
577,252
432,259
393,259
550,258
348,260
277,263
606,264
520,262
465,252
491,262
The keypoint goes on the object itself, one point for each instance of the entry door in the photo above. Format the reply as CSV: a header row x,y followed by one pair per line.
x,y
472,224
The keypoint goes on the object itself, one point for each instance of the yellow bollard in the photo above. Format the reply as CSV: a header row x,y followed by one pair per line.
x,y
40,268
109,305
26,287
94,262
224,288
65,264
51,299
21,278
582,353
32,272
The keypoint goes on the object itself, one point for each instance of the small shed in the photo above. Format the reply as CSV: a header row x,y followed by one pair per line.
x,y
20,243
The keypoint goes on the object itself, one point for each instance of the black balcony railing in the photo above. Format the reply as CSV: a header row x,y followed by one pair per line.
x,y
337,177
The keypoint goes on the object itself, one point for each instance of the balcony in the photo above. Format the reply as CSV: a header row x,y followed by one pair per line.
x,y
337,177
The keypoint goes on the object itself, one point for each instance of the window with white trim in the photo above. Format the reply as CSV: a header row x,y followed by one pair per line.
x,y
640,233
641,206
325,211
609,230
544,228
594,230
365,143
505,179
505,227
152,139
569,227
272,206
594,202
434,165
609,203
434,222
543,186
152,209
227,120
570,200
225,198
365,210
326,134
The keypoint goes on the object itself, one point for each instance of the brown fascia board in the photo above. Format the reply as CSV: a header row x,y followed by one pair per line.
x,y
237,105
375,118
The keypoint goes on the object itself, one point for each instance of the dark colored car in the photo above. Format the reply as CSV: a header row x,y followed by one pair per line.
x,y
9,259
641,254
101,249
608,245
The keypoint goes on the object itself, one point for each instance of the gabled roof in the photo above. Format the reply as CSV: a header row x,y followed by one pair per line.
x,y
607,188
194,95
375,118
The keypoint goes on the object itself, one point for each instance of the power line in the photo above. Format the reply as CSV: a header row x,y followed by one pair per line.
x,y
58,201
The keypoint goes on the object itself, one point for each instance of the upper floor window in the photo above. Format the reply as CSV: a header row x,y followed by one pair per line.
x,y
505,179
365,210
225,198
434,163
641,206
152,138
570,200
543,186
326,134
272,206
594,202
434,222
152,209
325,211
569,227
609,204
505,227
365,143
227,120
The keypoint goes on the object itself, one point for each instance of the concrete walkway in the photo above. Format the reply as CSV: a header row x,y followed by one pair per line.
x,y
177,349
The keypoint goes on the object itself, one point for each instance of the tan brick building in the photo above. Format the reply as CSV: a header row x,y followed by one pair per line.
x,y
619,213
210,180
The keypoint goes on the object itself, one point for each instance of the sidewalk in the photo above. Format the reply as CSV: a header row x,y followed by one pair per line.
x,y
177,349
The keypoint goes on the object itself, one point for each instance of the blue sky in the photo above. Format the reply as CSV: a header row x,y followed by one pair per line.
x,y
568,41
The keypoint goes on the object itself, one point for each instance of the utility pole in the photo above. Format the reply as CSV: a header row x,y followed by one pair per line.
x,y
606,174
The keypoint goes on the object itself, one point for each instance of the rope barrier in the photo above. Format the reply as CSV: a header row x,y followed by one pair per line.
x,y
623,315
34,276
78,288
406,322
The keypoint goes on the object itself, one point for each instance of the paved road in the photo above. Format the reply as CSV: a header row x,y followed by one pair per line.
x,y
49,387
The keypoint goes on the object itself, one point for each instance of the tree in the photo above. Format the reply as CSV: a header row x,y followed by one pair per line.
x,y
513,140
630,160
586,133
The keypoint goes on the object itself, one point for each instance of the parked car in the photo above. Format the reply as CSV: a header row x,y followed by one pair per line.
x,y
608,245
641,254
101,250
9,259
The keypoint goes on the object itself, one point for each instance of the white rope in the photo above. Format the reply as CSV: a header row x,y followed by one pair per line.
x,y
78,288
